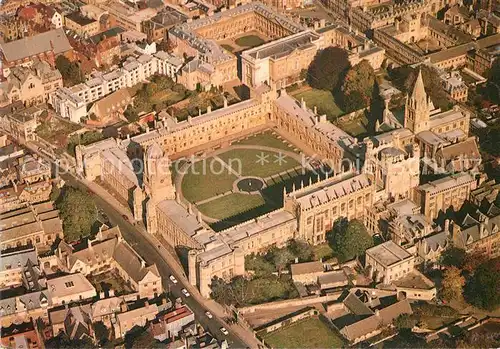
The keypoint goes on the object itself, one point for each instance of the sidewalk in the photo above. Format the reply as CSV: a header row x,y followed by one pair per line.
x,y
215,308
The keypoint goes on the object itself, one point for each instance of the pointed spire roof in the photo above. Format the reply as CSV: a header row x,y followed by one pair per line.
x,y
418,88
155,151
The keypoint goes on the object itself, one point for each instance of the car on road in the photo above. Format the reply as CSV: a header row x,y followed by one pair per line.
x,y
124,216
224,331
173,279
209,314
185,292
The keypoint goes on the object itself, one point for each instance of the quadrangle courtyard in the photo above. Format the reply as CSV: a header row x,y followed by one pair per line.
x,y
242,181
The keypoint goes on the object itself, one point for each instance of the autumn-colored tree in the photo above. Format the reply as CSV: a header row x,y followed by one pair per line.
x,y
357,87
453,283
473,260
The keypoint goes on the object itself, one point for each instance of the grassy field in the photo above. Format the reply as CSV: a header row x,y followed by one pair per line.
x,y
228,47
165,95
266,139
251,165
230,205
309,333
249,41
354,127
322,251
323,100
205,179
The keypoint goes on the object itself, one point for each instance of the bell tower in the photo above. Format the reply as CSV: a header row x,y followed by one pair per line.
x,y
158,184
417,108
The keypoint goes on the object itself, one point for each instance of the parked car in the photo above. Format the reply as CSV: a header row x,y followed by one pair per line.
x,y
173,279
209,314
224,331
185,292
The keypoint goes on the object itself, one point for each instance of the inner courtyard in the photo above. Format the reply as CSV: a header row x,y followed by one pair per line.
x,y
241,181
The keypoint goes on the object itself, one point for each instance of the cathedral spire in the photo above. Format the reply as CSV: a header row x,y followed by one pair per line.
x,y
419,89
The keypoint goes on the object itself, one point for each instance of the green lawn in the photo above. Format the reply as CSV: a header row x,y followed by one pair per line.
x,y
165,95
309,333
322,251
206,179
230,205
353,127
249,160
266,139
228,47
323,100
249,41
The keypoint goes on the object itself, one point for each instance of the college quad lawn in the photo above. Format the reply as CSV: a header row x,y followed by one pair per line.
x,y
205,179
257,163
309,333
322,99
231,205
266,139
249,41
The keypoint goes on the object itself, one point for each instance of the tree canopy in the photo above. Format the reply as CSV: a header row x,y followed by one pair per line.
x,y
357,87
404,78
78,213
453,257
349,239
482,288
70,71
453,283
83,139
493,85
327,68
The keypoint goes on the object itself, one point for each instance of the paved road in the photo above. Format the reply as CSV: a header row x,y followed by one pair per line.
x,y
151,255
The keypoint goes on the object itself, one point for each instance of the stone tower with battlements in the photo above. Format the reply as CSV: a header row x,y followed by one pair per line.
x,y
157,180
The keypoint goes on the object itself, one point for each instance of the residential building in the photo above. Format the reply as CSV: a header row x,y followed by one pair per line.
x,y
38,225
14,261
111,252
170,324
81,25
70,288
19,121
157,27
389,261
135,314
21,335
31,85
45,46
110,109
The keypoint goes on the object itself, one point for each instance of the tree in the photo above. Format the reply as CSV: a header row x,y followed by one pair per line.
x,y
101,332
453,257
55,193
357,87
259,265
116,60
404,78
70,71
220,291
349,241
453,283
281,257
327,68
83,139
482,288
301,249
78,212
404,321
493,85
140,338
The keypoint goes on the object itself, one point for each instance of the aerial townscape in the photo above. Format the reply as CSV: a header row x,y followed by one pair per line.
x,y
249,174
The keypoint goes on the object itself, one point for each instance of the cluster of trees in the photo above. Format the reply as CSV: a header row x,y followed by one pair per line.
x,y
404,79
83,139
471,276
71,72
352,86
77,210
241,291
143,99
349,239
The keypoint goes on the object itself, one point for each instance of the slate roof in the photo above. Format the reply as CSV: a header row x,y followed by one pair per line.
x,y
34,45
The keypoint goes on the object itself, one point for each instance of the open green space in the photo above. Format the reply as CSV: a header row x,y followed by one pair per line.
x,y
266,139
249,41
353,127
231,205
309,333
205,179
228,47
321,99
258,163
167,96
